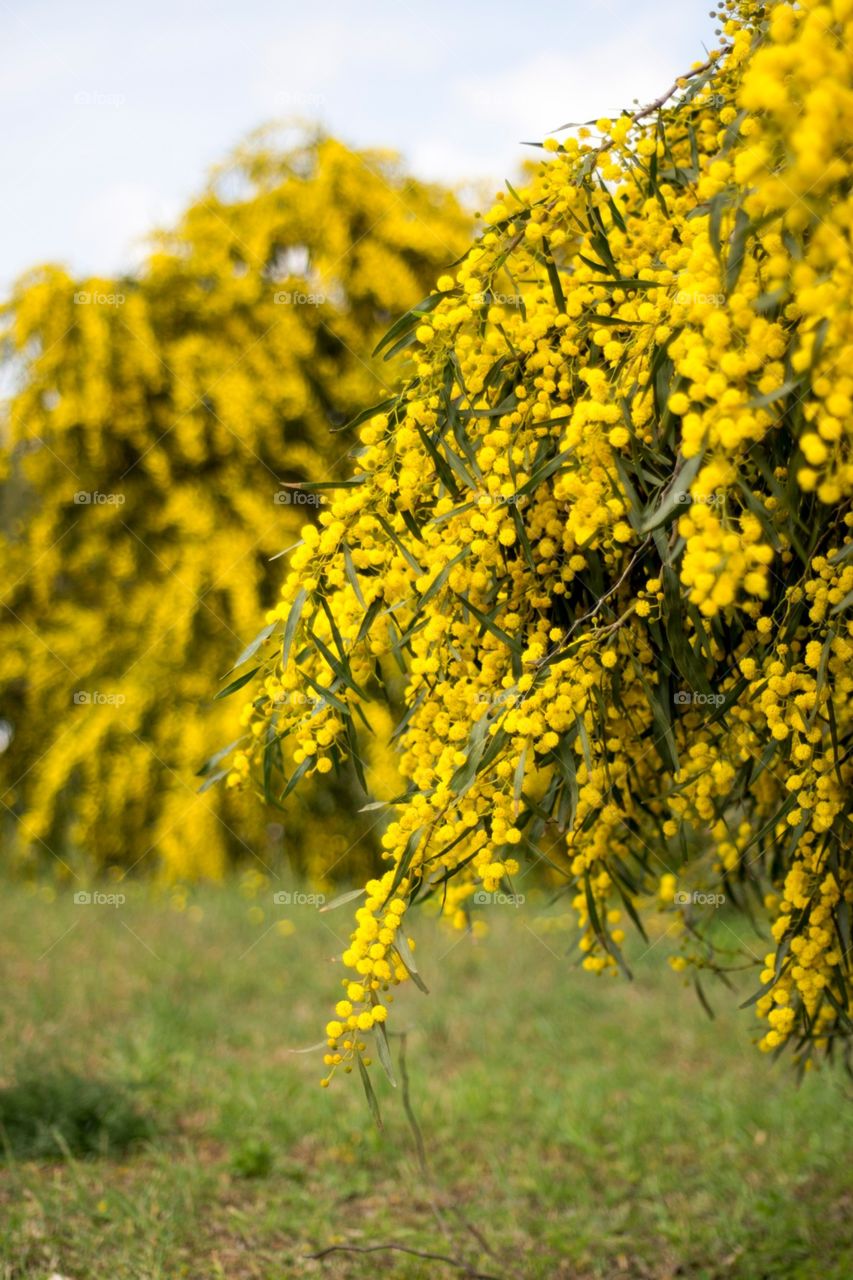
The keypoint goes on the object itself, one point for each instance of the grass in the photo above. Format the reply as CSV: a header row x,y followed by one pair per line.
x,y
575,1127
45,1116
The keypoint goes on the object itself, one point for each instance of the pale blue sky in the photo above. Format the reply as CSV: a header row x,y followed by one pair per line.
x,y
114,111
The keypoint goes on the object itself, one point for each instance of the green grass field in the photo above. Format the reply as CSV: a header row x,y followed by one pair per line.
x,y
574,1127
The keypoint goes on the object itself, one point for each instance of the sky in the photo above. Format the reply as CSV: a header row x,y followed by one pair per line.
x,y
114,112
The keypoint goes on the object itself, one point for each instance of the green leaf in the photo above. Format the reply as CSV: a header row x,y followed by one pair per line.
x,y
236,684
352,742
630,908
664,740
404,951
487,620
252,648
554,279
405,861
384,1052
544,472
350,482
518,780
635,507
685,659
475,750
737,248
341,668
591,908
716,209
409,320
342,899
781,956
214,760
327,696
674,499
296,777
407,556
770,397
367,414
703,999
352,575
565,761
212,780
290,626
439,581
369,618
368,1091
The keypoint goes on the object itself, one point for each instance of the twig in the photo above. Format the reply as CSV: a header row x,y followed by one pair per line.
x,y
401,1248
659,102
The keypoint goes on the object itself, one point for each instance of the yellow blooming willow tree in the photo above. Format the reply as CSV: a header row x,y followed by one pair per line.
x,y
154,428
601,541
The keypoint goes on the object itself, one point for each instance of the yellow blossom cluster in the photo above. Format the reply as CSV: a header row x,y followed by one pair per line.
x,y
155,426
597,551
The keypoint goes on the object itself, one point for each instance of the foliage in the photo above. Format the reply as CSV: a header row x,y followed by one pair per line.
x,y
604,530
156,424
50,1116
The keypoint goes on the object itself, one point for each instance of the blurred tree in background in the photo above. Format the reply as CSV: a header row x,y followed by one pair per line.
x,y
147,445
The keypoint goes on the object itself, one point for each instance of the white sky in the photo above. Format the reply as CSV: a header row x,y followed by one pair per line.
x,y
115,110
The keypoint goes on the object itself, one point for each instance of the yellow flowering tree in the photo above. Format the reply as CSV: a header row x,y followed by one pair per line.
x,y
601,539
156,424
